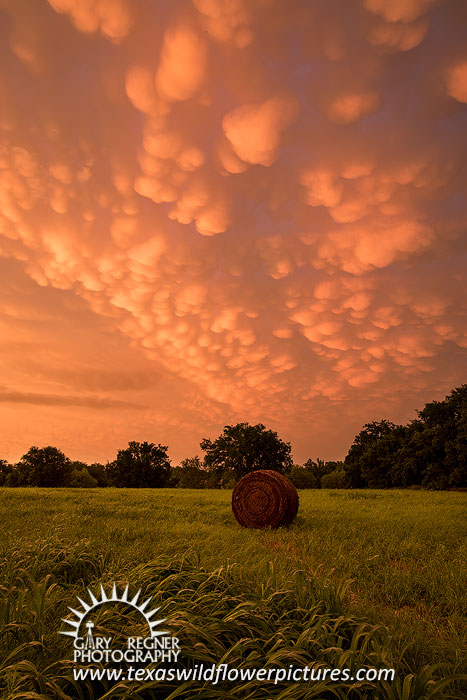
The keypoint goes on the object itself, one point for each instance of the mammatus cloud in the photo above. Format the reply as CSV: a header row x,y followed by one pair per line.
x,y
254,130
183,63
456,81
260,204
112,18
399,10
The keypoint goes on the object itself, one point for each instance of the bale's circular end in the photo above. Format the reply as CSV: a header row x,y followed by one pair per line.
x,y
264,498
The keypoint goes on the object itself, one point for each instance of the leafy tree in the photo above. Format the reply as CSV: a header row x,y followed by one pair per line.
x,y
97,471
303,478
5,471
334,479
213,480
191,474
333,465
318,468
431,450
410,460
456,455
445,435
243,448
46,466
78,465
434,450
141,465
369,461
100,473
81,478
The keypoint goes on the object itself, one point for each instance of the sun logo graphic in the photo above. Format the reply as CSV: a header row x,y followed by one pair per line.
x,y
158,645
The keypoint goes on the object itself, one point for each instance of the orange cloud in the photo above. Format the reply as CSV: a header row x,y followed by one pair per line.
x,y
183,64
146,262
348,107
112,17
456,81
399,10
255,130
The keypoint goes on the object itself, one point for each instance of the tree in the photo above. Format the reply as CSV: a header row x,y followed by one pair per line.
x,y
99,473
243,448
190,474
303,478
5,471
430,451
46,466
434,449
141,465
317,469
445,435
410,460
369,461
81,478
334,479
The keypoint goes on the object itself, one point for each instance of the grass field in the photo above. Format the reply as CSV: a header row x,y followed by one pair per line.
x,y
369,578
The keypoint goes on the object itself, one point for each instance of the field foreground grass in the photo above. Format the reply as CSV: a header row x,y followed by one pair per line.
x,y
369,578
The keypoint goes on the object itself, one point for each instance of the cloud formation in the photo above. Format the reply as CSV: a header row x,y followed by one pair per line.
x,y
29,397
262,204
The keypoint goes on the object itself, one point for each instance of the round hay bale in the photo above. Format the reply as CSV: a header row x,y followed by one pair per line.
x,y
264,498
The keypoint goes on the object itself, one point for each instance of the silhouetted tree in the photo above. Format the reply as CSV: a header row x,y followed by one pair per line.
x,y
369,461
45,466
430,451
310,475
334,479
318,468
99,473
5,472
81,478
243,448
303,478
190,474
141,465
410,460
445,435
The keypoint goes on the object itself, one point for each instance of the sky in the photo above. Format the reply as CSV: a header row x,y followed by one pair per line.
x,y
218,211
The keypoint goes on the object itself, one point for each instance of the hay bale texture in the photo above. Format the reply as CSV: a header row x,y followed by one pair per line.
x,y
264,498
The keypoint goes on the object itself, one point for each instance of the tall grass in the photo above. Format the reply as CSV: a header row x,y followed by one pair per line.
x,y
217,615
245,598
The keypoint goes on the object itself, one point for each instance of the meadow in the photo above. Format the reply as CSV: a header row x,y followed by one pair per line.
x,y
361,578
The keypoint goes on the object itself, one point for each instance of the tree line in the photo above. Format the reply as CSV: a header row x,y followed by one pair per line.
x,y
430,452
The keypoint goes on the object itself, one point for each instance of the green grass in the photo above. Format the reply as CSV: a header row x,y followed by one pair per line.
x,y
374,577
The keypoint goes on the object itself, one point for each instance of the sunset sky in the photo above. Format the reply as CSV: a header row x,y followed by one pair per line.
x,y
215,211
